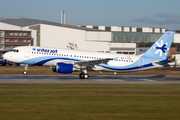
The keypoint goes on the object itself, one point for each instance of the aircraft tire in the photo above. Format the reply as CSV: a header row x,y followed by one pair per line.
x,y
24,72
81,75
86,76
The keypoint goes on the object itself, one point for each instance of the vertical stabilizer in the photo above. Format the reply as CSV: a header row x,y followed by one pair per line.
x,y
160,49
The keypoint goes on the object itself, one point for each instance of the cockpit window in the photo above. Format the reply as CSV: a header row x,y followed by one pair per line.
x,y
15,50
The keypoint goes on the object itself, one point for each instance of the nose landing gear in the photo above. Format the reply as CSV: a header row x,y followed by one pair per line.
x,y
26,68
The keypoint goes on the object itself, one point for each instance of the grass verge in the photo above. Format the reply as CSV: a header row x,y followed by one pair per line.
x,y
98,102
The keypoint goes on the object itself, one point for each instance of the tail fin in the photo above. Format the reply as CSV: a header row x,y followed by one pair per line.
x,y
160,48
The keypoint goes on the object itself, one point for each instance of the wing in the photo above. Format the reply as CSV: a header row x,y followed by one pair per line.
x,y
91,63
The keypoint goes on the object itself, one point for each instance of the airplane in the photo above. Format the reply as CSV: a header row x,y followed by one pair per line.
x,y
67,61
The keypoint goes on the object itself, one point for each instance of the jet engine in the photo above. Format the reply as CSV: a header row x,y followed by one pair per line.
x,y
63,68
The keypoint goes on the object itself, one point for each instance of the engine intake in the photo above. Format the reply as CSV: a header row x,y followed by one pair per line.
x,y
63,68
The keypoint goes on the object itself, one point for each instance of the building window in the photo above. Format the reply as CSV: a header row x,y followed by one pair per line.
x,y
122,29
6,40
108,28
16,33
11,40
1,33
139,29
20,40
28,40
6,33
20,34
28,34
24,33
11,33
2,41
15,40
95,27
1,46
130,29
24,40
6,46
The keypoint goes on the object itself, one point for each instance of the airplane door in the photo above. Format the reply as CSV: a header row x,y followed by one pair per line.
x,y
141,62
27,52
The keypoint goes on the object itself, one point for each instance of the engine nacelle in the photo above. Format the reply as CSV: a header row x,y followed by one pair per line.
x,y
54,68
63,68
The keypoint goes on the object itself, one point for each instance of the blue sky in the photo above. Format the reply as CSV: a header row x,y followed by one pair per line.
x,y
137,13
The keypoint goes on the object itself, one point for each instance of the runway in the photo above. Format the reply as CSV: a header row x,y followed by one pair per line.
x,y
96,79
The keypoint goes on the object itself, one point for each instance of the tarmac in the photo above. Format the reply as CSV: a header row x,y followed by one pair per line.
x,y
96,79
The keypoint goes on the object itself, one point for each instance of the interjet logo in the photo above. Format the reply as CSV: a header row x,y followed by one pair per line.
x,y
161,48
34,49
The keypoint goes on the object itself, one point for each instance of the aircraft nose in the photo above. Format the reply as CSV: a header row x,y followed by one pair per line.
x,y
6,56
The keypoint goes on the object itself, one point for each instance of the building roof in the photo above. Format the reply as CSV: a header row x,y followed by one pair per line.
x,y
22,22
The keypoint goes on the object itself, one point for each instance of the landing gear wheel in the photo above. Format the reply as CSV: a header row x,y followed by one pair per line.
x,y
24,72
81,75
86,76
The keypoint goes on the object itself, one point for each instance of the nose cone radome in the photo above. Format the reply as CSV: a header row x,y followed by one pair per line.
x,y
6,56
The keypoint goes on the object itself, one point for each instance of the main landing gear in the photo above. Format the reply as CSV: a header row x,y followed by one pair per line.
x,y
25,69
83,74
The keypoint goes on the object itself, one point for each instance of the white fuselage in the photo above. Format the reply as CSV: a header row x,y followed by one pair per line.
x,y
50,57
